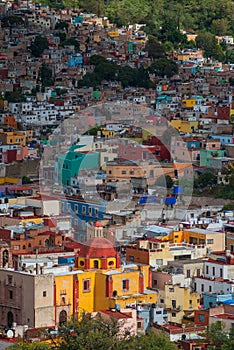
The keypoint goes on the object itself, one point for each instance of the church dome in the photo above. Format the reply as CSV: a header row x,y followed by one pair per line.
x,y
97,248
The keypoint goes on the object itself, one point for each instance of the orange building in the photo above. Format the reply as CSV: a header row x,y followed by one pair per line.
x,y
10,122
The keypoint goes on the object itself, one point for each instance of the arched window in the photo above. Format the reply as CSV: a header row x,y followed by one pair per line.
x,y
5,257
62,317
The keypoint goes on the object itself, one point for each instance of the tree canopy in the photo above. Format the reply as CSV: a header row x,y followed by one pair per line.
x,y
97,334
39,44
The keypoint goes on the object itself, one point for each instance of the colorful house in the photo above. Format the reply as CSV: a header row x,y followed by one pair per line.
x,y
184,125
99,282
75,61
215,241
71,163
207,155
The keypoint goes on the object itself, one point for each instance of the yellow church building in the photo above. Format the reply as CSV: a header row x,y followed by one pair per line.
x,y
100,282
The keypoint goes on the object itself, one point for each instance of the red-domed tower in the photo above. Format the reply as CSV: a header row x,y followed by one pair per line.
x,y
98,253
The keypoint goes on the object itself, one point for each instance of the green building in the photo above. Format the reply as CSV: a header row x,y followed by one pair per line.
x,y
207,155
72,162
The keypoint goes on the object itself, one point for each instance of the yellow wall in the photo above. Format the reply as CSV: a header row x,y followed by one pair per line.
x,y
108,133
114,33
64,283
17,137
9,180
184,125
232,114
36,221
199,238
182,297
189,103
86,299
131,299
176,236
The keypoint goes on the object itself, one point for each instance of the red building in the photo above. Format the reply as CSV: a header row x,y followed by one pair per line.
x,y
161,151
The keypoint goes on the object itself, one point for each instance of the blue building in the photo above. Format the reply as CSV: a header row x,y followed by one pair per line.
x,y
224,139
151,314
212,299
77,20
82,212
75,60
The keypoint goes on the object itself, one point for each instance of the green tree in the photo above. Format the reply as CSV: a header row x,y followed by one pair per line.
x,y
72,42
205,179
208,42
220,26
164,66
152,341
15,96
219,338
12,21
39,45
45,76
155,48
61,25
97,334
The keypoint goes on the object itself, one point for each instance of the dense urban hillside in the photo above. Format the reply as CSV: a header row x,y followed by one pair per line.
x,y
212,15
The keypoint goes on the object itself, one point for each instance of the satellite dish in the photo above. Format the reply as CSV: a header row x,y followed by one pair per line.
x,y
10,333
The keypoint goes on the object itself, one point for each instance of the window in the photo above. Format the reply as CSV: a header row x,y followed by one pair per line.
x,y
210,288
221,273
202,287
171,289
213,269
190,302
210,241
173,304
207,270
162,301
110,172
90,211
131,258
131,172
83,210
123,172
155,282
198,272
95,264
195,287
188,274
76,208
159,261
10,294
86,285
173,314
96,212
44,293
125,285
201,318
